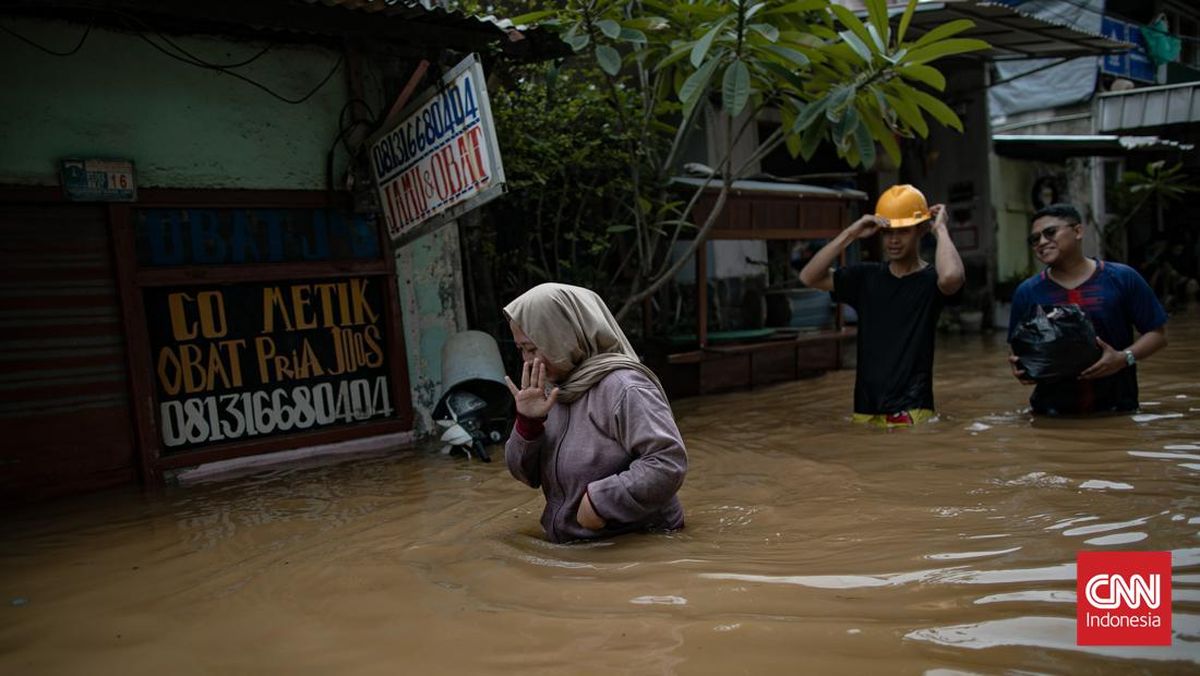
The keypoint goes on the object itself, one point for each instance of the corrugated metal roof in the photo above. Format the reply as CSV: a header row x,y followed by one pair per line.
x,y
426,11
1150,107
1012,32
417,26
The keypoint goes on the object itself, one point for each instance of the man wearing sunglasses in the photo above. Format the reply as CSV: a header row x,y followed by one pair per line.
x,y
1114,297
898,302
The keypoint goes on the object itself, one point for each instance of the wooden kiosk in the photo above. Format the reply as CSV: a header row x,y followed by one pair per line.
x,y
759,210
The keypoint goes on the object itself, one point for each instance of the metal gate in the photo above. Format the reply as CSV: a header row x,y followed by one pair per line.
x,y
65,419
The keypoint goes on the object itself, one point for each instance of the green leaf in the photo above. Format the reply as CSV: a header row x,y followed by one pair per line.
x,y
849,20
610,28
940,111
897,56
735,89
938,50
648,23
883,134
704,43
579,42
676,54
866,145
845,126
878,39
811,139
766,30
532,17
877,12
789,54
790,77
787,117
860,48
944,31
823,32
633,35
905,19
838,100
926,74
849,153
798,7
697,82
619,228
669,207
609,59
704,12
792,142
809,113
909,113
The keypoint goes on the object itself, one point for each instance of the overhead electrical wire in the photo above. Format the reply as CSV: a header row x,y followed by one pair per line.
x,y
187,57
49,51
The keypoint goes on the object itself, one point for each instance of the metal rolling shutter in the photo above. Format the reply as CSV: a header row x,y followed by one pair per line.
x,y
65,419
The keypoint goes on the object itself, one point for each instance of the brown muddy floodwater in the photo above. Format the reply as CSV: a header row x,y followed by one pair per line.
x,y
812,546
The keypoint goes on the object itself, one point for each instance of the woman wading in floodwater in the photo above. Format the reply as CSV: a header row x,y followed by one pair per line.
x,y
602,444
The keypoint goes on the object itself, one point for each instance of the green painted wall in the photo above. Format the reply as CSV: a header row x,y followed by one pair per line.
x,y
183,126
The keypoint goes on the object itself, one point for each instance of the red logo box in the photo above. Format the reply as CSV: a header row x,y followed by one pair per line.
x,y
1123,598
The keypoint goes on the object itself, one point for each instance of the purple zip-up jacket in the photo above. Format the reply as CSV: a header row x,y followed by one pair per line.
x,y
618,442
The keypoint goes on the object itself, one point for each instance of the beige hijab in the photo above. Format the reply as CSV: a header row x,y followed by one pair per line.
x,y
572,327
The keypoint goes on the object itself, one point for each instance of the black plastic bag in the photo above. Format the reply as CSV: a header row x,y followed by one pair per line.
x,y
1055,343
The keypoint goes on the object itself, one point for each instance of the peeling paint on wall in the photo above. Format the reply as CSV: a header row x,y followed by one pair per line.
x,y
429,275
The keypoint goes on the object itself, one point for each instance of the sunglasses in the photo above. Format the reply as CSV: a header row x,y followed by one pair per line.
x,y
1049,232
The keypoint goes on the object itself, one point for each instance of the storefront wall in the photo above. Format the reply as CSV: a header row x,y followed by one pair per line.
x,y
220,163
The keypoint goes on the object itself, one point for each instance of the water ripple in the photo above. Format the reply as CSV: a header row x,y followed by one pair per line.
x,y
1057,633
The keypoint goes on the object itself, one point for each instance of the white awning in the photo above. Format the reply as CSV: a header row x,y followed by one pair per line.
x,y
771,187
1041,146
1150,107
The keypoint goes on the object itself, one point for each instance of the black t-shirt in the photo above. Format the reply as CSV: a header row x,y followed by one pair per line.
x,y
897,319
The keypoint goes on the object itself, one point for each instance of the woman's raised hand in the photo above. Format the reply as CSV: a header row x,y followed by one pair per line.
x,y
532,400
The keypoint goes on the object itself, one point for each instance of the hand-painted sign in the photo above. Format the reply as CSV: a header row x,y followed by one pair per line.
x,y
240,361
443,158
99,180
169,237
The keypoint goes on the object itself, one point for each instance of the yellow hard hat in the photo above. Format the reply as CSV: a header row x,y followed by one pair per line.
x,y
903,206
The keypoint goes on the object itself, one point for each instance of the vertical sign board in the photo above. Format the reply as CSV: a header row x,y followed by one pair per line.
x,y
442,159
234,362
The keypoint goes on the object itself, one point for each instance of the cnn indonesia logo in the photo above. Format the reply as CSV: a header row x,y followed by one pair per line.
x,y
1123,598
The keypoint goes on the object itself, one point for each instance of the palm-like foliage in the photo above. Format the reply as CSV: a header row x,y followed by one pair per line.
x,y
1157,185
832,76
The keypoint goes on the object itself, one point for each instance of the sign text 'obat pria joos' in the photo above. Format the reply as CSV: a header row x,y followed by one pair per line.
x,y
248,360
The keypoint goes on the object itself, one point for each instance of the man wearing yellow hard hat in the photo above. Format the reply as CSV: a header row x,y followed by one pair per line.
x,y
898,302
